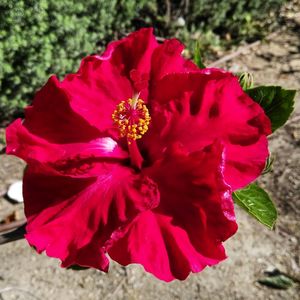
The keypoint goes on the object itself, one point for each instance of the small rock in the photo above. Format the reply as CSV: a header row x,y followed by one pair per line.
x,y
293,49
286,68
259,63
15,192
270,269
295,65
277,50
294,240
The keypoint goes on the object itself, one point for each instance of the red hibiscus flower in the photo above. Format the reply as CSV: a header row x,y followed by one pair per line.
x,y
135,156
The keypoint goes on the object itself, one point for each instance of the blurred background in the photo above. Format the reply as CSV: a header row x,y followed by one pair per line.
x,y
42,37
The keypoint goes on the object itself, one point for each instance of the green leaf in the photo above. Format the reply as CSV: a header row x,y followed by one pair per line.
x,y
197,56
279,281
277,103
257,203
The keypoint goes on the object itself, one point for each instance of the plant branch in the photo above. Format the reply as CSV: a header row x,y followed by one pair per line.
x,y
14,235
168,11
240,51
11,225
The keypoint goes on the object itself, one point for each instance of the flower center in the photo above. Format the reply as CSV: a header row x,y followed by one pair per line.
x,y
132,118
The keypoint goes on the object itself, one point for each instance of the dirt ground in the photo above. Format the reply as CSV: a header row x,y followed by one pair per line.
x,y
252,251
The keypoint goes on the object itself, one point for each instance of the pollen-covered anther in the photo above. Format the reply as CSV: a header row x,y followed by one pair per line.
x,y
132,118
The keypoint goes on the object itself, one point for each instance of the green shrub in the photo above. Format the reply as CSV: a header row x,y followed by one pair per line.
x,y
219,24
41,37
239,18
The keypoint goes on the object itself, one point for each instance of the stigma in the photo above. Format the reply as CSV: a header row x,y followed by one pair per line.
x,y
132,118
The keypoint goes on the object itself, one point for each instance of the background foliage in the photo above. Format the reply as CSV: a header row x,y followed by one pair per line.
x,y
41,37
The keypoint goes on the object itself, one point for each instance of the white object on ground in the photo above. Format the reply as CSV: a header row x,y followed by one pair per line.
x,y
15,191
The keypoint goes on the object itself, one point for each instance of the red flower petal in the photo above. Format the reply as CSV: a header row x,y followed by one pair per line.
x,y
35,149
53,132
133,52
184,233
167,59
71,217
95,90
120,72
198,108
80,201
51,116
85,100
137,59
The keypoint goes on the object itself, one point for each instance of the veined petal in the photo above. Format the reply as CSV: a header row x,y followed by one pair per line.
x,y
37,150
197,108
71,217
185,232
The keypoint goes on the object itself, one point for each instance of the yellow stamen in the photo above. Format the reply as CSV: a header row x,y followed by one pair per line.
x,y
132,118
